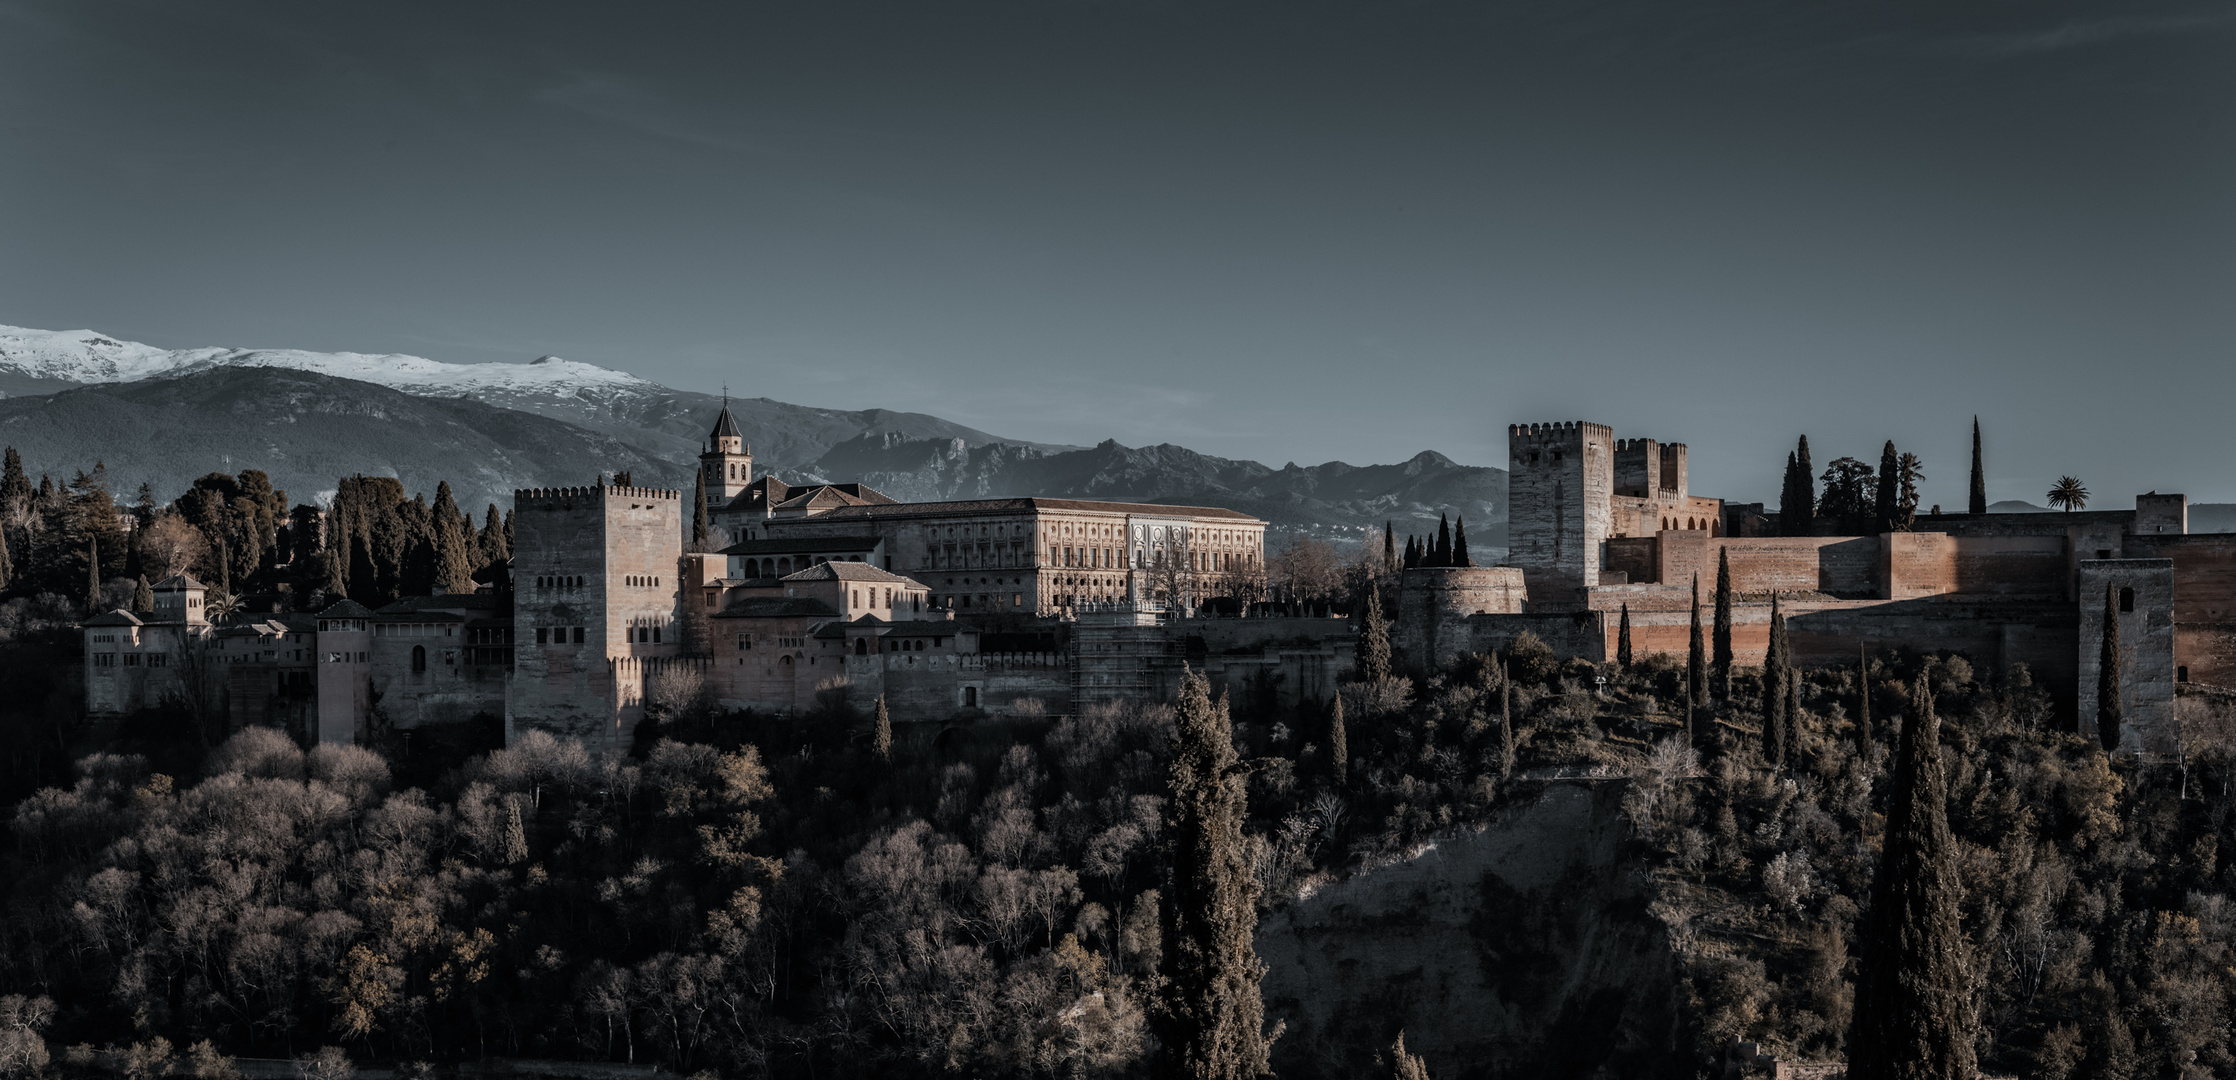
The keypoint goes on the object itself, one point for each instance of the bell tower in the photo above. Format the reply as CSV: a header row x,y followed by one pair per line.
x,y
728,462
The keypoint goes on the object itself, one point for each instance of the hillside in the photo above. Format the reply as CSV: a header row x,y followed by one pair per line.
x,y
306,430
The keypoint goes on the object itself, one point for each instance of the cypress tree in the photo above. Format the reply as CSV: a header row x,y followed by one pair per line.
x,y
1696,658
1789,496
1886,507
881,733
450,533
699,522
1459,543
1622,640
1442,556
1210,1018
1374,642
1913,1000
1389,547
489,544
143,597
2108,714
1339,746
15,486
1863,696
1722,661
1505,723
1806,491
1412,552
93,576
1979,502
508,534
1776,725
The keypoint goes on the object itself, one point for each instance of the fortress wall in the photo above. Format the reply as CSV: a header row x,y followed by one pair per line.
x,y
1588,634
1560,483
1919,564
2204,602
1841,565
1434,604
2146,648
1636,557
2011,565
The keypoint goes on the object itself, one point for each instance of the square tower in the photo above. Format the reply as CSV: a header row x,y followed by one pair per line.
x,y
596,584
1559,489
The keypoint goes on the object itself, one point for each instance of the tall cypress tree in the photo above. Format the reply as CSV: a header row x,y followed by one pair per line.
x,y
699,522
1210,1016
1806,492
1789,499
1722,661
1696,658
1913,1005
1979,503
1886,507
1505,722
2108,713
1374,641
1459,543
1339,746
143,597
93,576
1389,547
1622,641
1777,732
1412,551
1442,556
881,733
1863,696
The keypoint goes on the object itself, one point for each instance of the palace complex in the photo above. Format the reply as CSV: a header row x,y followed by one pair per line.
x,y
810,595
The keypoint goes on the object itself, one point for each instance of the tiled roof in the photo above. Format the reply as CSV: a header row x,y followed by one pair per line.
x,y
997,506
800,545
726,425
850,571
118,617
179,581
346,609
405,605
770,607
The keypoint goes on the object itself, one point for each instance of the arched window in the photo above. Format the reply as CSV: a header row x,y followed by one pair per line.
x,y
861,646
418,659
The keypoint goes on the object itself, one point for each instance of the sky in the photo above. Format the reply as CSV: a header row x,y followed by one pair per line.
x,y
1286,232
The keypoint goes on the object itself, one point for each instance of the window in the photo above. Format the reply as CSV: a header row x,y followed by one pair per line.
x,y
2127,599
655,635
970,697
2103,553
861,646
542,636
418,659
578,635
2181,674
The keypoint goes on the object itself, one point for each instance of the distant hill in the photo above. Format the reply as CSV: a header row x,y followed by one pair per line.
x,y
2212,517
1335,499
308,430
2017,506
166,416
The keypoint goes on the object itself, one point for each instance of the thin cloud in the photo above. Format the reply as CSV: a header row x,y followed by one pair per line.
x,y
2084,33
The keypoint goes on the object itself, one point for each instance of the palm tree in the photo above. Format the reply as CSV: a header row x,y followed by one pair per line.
x,y
2068,494
221,606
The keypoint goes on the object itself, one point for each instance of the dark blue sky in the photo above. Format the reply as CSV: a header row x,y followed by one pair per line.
x,y
1296,231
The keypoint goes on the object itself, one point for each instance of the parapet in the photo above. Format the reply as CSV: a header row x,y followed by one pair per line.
x,y
524,495
1559,432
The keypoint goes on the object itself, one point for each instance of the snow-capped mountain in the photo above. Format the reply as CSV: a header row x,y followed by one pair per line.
x,y
87,356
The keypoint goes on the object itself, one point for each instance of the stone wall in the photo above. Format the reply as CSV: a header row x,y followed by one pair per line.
x,y
622,545
1560,481
2146,616
1434,604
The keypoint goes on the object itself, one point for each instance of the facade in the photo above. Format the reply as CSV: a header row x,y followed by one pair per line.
x,y
1601,526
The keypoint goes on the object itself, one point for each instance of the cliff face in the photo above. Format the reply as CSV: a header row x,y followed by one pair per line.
x,y
1522,950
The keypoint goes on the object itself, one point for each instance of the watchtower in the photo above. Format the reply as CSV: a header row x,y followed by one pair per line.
x,y
179,599
595,589
728,461
1560,480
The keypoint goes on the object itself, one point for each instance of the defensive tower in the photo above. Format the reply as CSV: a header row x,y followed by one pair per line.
x,y
1560,479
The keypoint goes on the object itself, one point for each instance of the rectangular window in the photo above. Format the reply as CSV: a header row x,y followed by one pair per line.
x,y
131,659
578,635
158,660
543,636
655,635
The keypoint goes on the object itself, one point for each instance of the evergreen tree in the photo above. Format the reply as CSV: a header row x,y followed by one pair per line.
x,y
1777,733
881,733
15,487
1442,556
93,577
1374,641
1863,698
450,535
1696,658
1622,640
1505,722
1883,507
1210,1016
1806,493
1412,551
1406,1066
1789,498
699,523
7,559
1339,746
489,544
1389,548
1913,998
508,534
143,597
2108,713
1722,660
1979,502
1459,543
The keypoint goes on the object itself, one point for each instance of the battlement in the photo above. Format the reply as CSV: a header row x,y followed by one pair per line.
x,y
527,495
1559,432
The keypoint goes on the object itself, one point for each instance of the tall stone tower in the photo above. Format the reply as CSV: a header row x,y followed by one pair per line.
x,y
1560,482
728,462
595,589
